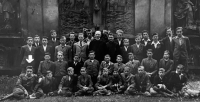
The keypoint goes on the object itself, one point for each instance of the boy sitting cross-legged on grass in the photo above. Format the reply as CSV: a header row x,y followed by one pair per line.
x,y
127,80
67,83
24,86
47,86
84,83
103,84
160,83
116,82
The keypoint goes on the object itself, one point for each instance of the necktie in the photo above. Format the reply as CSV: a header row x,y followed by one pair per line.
x,y
81,43
180,41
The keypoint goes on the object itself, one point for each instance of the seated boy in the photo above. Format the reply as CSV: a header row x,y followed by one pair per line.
x,y
67,83
142,82
116,82
159,85
47,86
127,80
119,65
106,64
177,79
103,84
24,86
84,83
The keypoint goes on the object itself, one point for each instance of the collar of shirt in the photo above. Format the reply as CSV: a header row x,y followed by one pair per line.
x,y
109,63
60,60
180,74
155,43
146,40
53,39
180,37
92,61
63,46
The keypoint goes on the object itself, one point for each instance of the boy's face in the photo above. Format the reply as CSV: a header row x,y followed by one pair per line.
x,y
53,35
169,33
166,55
49,75
131,57
62,41
47,57
107,58
44,41
72,36
91,55
70,72
115,73
80,37
83,71
76,58
98,35
119,59
110,38
119,35
29,72
140,70
161,73
179,69
37,39
105,72
30,41
138,40
145,35
149,54
155,37
60,56
126,71
126,43
179,32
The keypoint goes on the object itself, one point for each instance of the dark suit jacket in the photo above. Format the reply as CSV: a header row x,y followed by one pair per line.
x,y
68,84
53,45
44,67
40,52
142,83
167,45
168,66
158,80
146,47
25,52
158,51
176,82
66,52
127,80
102,81
181,51
113,50
117,42
138,52
124,53
76,67
84,81
71,44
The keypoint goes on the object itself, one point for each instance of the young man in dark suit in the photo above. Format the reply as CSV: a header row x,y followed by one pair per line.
x,y
71,43
27,54
177,79
166,63
181,49
157,48
66,49
119,40
76,64
40,52
113,48
36,41
132,64
146,41
168,42
138,49
53,42
125,50
106,64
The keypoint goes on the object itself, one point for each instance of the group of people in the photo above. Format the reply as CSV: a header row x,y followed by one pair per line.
x,y
102,65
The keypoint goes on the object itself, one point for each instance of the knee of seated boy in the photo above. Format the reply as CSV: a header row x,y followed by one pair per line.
x,y
152,91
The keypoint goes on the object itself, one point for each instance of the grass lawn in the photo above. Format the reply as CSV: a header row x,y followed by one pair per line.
x,y
7,84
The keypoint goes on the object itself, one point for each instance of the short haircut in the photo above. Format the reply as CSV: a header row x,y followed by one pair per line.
x,y
70,69
149,50
166,51
127,68
110,34
92,52
83,68
48,72
119,56
107,55
130,53
180,66
52,31
80,34
76,55
179,28
162,69
60,52
29,67
47,53
154,34
168,28
29,38
120,31
36,36
44,37
137,37
141,67
63,38
98,31
144,31
126,40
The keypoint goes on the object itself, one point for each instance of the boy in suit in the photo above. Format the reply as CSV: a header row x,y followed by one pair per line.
x,y
76,64
103,84
81,48
46,65
53,42
27,54
127,81
124,50
138,49
150,65
36,41
116,82
177,79
146,42
113,48
84,84
47,86
166,63
119,65
66,85
133,64
24,85
66,49
106,64
40,52
181,49
142,83
119,40
92,66
60,67
71,43
157,48
160,84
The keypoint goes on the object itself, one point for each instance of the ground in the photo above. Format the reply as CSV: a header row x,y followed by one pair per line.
x,y
7,84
